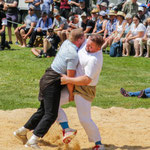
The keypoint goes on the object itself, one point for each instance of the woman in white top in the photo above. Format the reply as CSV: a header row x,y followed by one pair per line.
x,y
146,40
120,27
136,32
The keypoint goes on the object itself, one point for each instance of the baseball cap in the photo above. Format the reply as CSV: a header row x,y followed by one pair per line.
x,y
111,5
140,9
43,14
83,14
56,14
103,4
102,13
143,5
128,16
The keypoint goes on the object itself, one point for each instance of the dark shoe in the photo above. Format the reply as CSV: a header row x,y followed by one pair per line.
x,y
1,48
10,42
29,45
124,92
7,45
142,94
44,55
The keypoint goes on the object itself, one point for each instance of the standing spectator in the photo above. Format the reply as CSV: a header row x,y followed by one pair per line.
x,y
135,34
74,5
47,6
82,8
3,24
87,24
36,4
50,45
41,28
12,15
130,7
64,8
60,24
24,31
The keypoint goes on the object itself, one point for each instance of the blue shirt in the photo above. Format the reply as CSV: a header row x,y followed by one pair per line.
x,y
110,27
33,4
29,19
45,26
45,7
66,58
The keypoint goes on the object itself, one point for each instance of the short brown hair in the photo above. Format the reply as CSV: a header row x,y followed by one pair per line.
x,y
75,34
98,39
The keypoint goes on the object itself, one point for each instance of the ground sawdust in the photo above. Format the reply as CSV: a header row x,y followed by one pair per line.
x,y
121,129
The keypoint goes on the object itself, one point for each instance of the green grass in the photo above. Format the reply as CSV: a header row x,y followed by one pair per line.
x,y
20,73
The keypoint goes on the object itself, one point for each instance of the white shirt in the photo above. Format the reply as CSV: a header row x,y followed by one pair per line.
x,y
134,30
90,64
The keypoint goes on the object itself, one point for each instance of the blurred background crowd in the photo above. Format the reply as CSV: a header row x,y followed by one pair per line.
x,y
124,24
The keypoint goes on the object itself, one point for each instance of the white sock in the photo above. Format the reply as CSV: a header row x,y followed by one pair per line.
x,y
23,130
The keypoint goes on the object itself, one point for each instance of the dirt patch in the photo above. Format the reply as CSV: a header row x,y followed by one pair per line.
x,y
121,129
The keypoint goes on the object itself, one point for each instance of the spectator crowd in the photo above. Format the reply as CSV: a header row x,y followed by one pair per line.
x,y
126,23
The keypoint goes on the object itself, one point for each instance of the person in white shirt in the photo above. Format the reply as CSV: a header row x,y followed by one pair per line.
x,y
136,32
146,40
87,75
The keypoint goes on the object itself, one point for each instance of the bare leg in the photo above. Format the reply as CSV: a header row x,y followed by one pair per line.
x,y
137,48
35,51
17,33
46,44
141,47
22,32
128,48
16,37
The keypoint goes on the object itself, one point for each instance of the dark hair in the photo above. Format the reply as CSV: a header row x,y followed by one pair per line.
x,y
136,16
98,39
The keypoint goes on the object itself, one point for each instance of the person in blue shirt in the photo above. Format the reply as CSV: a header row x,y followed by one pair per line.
x,y
36,4
47,6
24,31
42,25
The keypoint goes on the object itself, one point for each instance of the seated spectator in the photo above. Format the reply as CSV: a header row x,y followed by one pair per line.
x,y
146,40
133,37
103,6
36,4
87,25
64,8
42,25
94,14
24,31
47,6
50,45
141,15
129,20
10,6
3,24
110,6
100,1
60,25
101,23
140,94
110,29
146,11
120,27
56,4
82,8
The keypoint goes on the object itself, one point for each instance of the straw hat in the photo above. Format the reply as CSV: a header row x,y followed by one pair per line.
x,y
94,11
111,13
120,13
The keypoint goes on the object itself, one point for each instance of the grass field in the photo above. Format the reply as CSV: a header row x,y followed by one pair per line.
x,y
20,73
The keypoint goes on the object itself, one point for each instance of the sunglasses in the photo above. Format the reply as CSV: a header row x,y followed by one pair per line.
x,y
50,30
31,9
